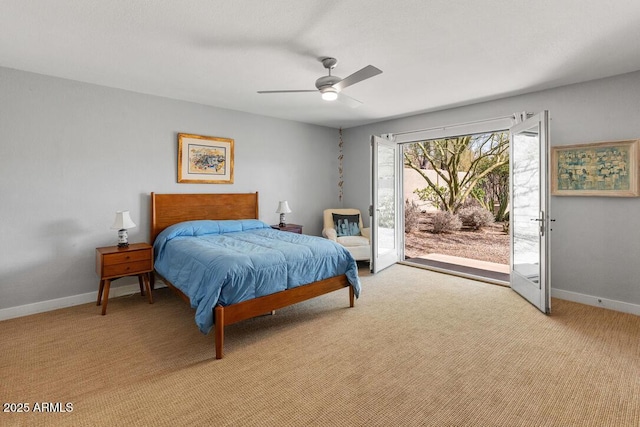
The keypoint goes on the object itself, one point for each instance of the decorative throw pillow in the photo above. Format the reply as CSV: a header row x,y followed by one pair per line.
x,y
347,225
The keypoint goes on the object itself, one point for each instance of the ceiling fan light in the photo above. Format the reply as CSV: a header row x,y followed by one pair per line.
x,y
329,94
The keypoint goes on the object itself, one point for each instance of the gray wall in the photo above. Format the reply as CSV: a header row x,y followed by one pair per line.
x,y
595,243
72,154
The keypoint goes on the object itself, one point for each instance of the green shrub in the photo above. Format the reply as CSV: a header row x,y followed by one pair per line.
x,y
428,194
446,222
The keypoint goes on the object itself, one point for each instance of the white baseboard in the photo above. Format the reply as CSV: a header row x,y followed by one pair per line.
x,y
54,304
624,307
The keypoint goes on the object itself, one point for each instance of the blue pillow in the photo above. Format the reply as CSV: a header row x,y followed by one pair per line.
x,y
347,225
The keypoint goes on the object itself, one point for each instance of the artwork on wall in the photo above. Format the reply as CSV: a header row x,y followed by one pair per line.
x,y
205,159
599,169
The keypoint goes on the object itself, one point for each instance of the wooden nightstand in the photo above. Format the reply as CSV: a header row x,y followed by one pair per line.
x,y
113,263
291,228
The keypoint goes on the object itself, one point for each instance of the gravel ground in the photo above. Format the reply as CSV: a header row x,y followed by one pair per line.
x,y
490,243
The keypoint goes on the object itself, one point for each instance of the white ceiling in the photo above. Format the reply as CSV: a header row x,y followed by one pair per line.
x,y
433,53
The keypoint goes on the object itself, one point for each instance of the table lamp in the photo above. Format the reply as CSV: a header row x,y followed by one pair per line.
x,y
283,208
122,223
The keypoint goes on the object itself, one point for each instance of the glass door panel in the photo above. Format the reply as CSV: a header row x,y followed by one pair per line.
x,y
529,211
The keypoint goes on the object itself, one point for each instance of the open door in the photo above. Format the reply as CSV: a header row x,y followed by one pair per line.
x,y
529,215
384,204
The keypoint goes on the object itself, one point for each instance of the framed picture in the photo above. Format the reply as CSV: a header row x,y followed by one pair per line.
x,y
599,169
205,159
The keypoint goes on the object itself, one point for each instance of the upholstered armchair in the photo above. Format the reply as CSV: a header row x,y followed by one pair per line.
x,y
345,227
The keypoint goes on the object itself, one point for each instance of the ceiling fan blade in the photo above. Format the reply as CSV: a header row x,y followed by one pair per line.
x,y
286,91
360,75
349,101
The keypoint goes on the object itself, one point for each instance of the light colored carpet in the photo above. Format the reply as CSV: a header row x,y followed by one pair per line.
x,y
418,348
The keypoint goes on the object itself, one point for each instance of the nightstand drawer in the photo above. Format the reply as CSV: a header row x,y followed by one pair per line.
x,y
121,258
127,268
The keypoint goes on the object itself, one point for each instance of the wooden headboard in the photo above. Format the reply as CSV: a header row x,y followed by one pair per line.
x,y
169,209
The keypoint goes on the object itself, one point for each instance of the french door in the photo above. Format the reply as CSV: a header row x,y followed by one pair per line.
x,y
385,220
529,163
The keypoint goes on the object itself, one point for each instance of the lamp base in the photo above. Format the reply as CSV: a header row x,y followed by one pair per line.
x,y
123,238
282,223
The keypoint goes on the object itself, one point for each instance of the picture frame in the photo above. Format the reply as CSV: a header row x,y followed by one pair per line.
x,y
205,159
608,169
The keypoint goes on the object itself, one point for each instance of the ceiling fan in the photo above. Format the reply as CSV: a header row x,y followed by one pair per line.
x,y
331,86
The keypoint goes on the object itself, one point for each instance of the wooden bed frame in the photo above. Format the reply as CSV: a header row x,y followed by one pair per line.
x,y
169,209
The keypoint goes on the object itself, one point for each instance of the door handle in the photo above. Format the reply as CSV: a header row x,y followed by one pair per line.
x,y
541,220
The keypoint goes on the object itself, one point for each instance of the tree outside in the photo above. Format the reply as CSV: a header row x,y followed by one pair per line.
x,y
466,165
465,197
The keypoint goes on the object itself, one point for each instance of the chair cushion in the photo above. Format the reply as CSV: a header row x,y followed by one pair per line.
x,y
350,241
347,225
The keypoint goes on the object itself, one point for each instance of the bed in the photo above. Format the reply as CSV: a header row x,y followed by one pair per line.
x,y
258,269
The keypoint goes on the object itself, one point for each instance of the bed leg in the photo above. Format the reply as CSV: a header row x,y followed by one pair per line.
x,y
219,315
351,296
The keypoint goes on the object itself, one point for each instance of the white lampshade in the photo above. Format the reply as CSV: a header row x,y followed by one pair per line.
x,y
283,207
123,221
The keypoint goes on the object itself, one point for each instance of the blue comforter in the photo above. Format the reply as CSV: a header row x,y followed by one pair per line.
x,y
225,262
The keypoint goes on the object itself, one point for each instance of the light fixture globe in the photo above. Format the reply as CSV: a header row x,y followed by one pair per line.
x,y
329,93
325,85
